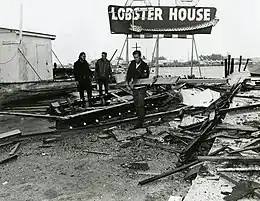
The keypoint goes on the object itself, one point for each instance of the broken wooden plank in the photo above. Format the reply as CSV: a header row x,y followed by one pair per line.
x,y
95,152
246,159
247,169
13,133
119,98
175,80
157,81
10,158
236,127
28,108
14,149
30,115
245,149
241,109
51,140
203,81
168,173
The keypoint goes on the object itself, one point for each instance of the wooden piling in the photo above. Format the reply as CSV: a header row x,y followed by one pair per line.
x,y
229,62
240,63
246,64
226,68
232,66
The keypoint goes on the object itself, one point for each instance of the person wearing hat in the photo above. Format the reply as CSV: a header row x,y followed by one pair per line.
x,y
103,73
83,75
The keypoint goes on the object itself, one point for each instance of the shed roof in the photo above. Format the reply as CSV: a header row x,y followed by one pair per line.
x,y
30,33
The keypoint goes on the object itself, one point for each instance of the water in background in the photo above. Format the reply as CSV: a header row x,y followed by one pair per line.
x,y
207,72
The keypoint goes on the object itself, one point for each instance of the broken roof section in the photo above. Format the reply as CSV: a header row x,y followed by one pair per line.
x,y
28,33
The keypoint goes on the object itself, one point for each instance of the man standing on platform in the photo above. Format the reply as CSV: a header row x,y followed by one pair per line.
x,y
138,69
83,76
103,73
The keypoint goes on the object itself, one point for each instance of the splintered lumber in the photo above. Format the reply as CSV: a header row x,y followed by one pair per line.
x,y
12,133
246,159
8,159
220,103
30,115
14,149
196,143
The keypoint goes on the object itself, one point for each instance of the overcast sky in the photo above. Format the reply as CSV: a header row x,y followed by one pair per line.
x,y
83,25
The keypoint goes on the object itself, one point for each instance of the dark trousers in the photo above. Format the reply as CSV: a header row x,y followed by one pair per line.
x,y
101,82
139,96
83,86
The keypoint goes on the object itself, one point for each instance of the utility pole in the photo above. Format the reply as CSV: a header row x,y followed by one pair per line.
x,y
192,50
157,51
127,49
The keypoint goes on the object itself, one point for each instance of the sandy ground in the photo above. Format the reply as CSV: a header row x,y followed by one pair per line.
x,y
64,171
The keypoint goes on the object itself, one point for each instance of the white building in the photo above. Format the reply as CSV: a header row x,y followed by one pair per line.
x,y
29,61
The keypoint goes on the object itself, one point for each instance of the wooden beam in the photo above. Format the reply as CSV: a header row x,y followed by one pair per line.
x,y
246,159
168,173
241,109
31,115
236,127
244,149
105,124
119,98
10,134
247,169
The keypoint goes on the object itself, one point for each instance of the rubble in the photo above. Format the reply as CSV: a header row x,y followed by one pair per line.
x,y
178,126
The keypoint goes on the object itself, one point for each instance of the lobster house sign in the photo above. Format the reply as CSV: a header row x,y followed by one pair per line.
x,y
175,20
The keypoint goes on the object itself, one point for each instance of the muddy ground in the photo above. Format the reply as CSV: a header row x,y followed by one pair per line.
x,y
63,170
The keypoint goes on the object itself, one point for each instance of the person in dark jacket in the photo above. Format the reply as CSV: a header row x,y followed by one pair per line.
x,y
103,73
83,76
138,69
